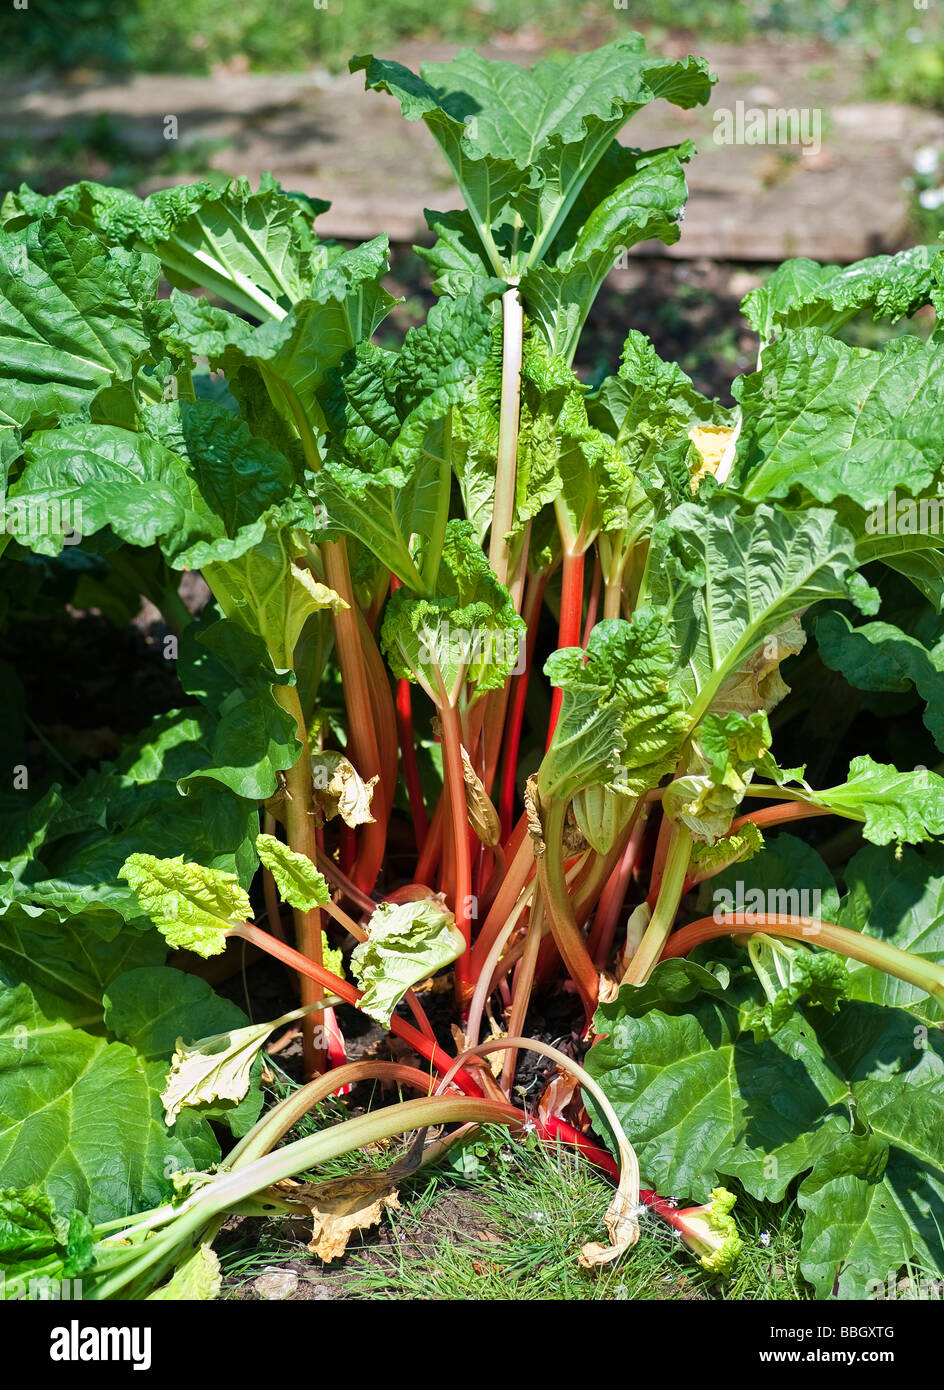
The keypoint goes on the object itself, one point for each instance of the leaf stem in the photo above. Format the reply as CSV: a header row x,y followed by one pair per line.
x,y
667,904
503,510
560,913
923,974
300,830
571,619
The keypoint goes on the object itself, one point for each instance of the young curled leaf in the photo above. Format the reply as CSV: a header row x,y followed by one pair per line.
x,y
298,881
192,906
406,943
708,860
724,754
792,973
709,1231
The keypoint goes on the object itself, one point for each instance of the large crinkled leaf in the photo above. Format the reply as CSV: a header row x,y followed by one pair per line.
x,y
386,479
82,1117
629,197
38,1244
133,804
869,1211
192,906
874,1203
730,578
193,479
406,943
898,899
467,631
67,964
894,806
251,737
562,459
880,656
254,249
71,321
296,354
803,294
531,139
704,1101
836,421
621,723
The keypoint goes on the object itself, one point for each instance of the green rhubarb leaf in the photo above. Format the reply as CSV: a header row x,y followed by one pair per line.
x,y
296,355
792,973
893,806
468,631
215,1071
710,860
869,1210
37,1244
386,478
192,907
732,579
85,1122
229,669
64,959
621,724
150,1008
629,197
898,898
880,656
803,294
193,480
269,594
787,876
253,249
724,752
134,804
531,140
72,321
406,943
298,881
709,1102
830,421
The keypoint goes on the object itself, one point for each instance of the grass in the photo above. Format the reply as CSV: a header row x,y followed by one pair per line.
x,y
505,1218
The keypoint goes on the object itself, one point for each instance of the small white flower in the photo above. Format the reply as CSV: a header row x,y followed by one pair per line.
x,y
926,160
931,198
763,1240
914,35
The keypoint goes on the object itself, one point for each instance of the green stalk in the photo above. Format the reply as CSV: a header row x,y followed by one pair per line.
x,y
437,536
225,1192
667,904
300,830
503,510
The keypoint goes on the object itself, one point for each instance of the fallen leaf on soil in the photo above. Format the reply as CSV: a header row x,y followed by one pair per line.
x,y
341,1206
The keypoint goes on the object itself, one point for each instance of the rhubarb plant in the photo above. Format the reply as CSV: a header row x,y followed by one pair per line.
x,y
491,692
